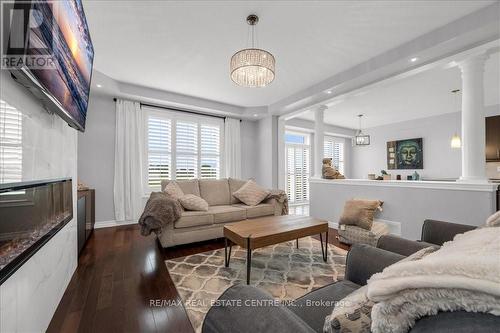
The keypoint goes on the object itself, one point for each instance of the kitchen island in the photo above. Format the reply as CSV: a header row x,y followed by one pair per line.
x,y
407,203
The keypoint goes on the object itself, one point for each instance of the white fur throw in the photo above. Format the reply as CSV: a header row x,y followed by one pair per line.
x,y
493,220
462,275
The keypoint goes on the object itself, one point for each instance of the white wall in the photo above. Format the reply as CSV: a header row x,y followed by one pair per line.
x,y
96,149
249,149
406,204
440,160
267,152
96,154
29,298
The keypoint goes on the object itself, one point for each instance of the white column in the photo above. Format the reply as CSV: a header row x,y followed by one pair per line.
x,y
319,134
473,122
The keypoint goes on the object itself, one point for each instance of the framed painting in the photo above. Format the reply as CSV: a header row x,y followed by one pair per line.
x,y
405,154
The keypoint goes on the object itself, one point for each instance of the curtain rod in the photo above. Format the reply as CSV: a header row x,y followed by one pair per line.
x,y
181,110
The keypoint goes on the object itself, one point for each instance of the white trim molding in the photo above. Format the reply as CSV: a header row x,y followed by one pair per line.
x,y
435,185
112,223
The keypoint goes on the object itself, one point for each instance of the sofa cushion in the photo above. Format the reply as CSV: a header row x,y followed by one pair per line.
x,y
173,190
251,193
457,322
215,191
193,202
262,209
235,185
314,315
360,212
187,186
193,219
225,213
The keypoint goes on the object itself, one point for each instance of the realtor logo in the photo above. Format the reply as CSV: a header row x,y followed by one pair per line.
x,y
24,23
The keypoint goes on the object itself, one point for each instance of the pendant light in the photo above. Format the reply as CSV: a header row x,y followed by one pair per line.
x,y
456,141
360,138
252,67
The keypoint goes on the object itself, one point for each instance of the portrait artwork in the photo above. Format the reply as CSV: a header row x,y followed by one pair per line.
x,y
405,154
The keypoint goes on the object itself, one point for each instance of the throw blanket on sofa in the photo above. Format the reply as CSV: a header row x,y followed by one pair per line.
x,y
161,209
282,198
462,275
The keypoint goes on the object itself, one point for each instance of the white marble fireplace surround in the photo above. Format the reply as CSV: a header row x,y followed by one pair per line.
x,y
408,203
29,298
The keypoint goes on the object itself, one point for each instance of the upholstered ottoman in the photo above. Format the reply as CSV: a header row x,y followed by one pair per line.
x,y
352,234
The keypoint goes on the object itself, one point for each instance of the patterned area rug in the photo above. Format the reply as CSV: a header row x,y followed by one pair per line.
x,y
282,270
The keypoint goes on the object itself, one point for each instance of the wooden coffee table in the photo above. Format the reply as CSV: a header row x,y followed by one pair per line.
x,y
256,233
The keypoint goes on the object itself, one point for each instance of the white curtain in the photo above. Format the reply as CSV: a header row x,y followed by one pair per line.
x,y
129,146
232,144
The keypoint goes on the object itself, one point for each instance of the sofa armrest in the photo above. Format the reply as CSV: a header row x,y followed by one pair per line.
x,y
438,232
400,245
278,206
364,260
247,309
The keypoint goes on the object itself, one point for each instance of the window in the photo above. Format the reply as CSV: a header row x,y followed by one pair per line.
x,y
11,139
334,149
298,161
182,146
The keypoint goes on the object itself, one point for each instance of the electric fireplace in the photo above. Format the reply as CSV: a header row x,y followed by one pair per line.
x,y
31,213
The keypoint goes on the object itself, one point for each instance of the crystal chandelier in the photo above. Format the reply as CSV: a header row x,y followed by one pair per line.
x,y
361,139
252,67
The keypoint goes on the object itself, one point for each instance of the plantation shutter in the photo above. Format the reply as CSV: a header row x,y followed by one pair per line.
x,y
210,152
186,150
335,151
298,173
159,150
11,138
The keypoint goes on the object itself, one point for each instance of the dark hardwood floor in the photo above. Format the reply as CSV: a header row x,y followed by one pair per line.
x,y
119,273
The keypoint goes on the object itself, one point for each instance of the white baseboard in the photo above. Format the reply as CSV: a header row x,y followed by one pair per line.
x,y
112,223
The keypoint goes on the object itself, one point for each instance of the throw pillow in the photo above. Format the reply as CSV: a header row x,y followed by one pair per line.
x,y
251,194
173,190
360,213
350,314
193,202
493,220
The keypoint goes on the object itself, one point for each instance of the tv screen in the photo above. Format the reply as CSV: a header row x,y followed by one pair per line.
x,y
57,56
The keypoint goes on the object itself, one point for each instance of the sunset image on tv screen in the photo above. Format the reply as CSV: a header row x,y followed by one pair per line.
x,y
64,35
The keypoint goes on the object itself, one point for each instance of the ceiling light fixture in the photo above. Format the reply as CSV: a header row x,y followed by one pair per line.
x,y
328,91
252,67
99,85
361,139
456,141
414,59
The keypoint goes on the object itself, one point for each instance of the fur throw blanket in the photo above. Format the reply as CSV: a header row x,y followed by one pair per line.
x,y
463,274
161,209
282,198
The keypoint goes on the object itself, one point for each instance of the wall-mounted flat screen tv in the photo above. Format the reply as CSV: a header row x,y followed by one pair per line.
x,y
51,53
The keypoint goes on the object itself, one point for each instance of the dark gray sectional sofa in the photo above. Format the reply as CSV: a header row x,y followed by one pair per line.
x,y
362,262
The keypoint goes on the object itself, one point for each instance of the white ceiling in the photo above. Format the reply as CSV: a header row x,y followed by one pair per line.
x,y
185,46
419,96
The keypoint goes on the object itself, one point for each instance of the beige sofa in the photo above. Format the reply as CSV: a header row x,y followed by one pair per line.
x,y
195,226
